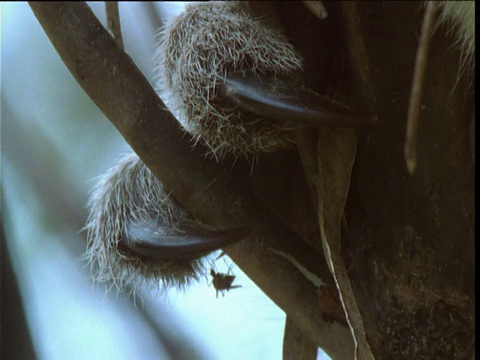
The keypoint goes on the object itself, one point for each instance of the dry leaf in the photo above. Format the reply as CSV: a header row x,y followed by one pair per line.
x,y
336,156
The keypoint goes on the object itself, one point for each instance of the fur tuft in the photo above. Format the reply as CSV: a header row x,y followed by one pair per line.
x,y
196,49
129,192
460,15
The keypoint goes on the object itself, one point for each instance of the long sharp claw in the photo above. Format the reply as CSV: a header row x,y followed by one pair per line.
x,y
185,242
294,105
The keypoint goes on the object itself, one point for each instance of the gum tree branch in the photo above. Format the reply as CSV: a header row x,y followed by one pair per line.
x,y
212,193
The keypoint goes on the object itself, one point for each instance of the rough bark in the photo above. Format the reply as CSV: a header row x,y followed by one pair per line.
x,y
410,239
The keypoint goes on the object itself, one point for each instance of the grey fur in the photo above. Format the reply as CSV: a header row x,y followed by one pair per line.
x,y
196,49
460,16
129,192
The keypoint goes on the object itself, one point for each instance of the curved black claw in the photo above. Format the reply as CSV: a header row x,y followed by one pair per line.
x,y
295,106
183,242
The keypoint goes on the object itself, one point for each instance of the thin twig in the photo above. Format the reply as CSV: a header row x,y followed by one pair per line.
x,y
410,148
113,21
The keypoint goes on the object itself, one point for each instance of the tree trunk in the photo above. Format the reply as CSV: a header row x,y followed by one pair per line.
x,y
408,239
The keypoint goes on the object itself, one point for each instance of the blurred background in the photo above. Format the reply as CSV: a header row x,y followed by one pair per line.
x,y
54,143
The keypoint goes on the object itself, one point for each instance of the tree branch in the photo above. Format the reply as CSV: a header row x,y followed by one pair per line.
x,y
296,345
210,192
